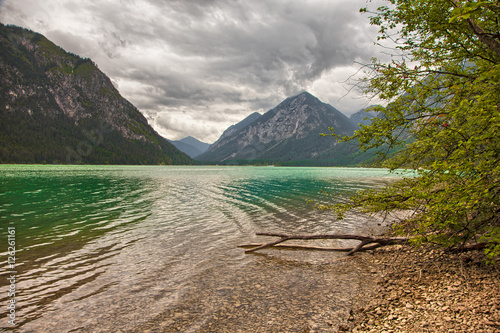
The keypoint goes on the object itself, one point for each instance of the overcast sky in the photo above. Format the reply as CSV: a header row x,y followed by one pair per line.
x,y
195,67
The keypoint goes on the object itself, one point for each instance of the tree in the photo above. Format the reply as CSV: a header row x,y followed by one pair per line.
x,y
442,89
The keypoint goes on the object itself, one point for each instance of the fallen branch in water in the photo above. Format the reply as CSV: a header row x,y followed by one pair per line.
x,y
376,241
313,248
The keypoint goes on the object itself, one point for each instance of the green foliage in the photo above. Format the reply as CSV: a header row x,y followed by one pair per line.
x,y
50,47
442,115
38,138
84,68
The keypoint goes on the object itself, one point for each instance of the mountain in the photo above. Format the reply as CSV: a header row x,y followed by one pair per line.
x,y
364,116
234,129
191,146
288,133
56,107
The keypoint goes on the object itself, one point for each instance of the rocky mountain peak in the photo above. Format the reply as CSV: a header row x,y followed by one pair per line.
x,y
290,131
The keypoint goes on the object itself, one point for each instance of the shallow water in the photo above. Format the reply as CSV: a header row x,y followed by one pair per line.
x,y
137,248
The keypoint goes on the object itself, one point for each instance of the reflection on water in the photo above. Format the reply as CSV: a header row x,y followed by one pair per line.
x,y
123,247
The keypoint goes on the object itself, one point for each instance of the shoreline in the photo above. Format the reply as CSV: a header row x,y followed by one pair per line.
x,y
428,290
395,289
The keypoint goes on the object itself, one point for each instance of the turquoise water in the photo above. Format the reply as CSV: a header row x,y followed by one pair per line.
x,y
116,247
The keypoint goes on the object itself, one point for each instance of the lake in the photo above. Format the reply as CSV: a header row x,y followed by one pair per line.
x,y
154,248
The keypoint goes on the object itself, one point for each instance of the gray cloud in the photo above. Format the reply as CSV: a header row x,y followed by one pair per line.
x,y
196,67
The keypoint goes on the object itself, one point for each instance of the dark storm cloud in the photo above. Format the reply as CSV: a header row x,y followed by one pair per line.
x,y
214,61
268,46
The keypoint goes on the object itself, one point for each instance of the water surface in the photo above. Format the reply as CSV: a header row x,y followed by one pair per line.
x,y
137,248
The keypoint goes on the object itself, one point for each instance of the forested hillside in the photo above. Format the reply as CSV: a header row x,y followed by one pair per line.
x,y
56,107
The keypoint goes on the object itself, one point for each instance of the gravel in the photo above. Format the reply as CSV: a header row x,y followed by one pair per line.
x,y
429,290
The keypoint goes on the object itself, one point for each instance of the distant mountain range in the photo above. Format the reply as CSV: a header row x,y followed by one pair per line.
x,y
364,116
288,134
196,149
191,146
56,107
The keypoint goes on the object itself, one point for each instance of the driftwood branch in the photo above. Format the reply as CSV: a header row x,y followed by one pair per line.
x,y
309,247
375,241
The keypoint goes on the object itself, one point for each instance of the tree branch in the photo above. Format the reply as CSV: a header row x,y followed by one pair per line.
x,y
486,38
365,240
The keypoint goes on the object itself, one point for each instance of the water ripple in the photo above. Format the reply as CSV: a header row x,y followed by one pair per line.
x,y
116,245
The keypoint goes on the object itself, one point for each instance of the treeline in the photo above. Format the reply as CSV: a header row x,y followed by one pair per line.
x,y
41,139
343,154
358,159
36,38
15,53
